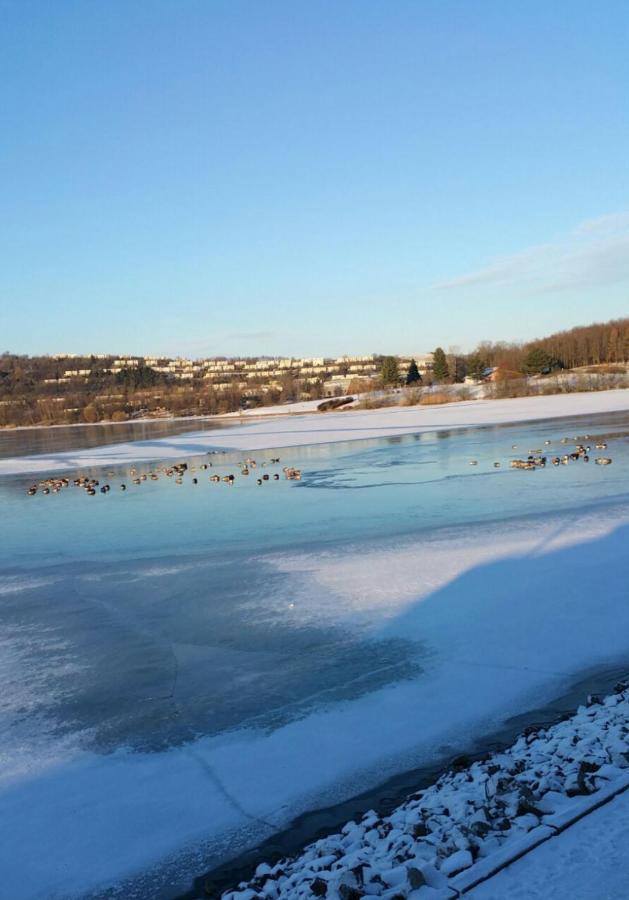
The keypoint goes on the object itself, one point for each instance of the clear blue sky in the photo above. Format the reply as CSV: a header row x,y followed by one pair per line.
x,y
310,177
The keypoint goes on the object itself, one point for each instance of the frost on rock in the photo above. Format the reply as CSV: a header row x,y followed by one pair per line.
x,y
466,815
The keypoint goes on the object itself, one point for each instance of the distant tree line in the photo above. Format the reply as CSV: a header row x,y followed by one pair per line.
x,y
34,389
590,345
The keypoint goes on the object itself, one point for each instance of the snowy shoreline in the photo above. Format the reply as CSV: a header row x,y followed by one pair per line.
x,y
476,818
281,431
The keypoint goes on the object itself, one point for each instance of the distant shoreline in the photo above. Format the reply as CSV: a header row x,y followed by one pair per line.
x,y
256,432
143,420
148,420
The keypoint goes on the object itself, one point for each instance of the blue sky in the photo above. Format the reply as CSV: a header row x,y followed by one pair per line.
x,y
312,177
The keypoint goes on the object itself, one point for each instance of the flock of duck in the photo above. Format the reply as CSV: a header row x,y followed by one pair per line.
x,y
536,459
177,471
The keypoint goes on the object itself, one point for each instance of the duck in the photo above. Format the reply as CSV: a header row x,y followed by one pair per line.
x,y
522,464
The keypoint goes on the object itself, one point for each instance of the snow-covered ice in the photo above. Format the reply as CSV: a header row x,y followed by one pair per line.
x,y
321,428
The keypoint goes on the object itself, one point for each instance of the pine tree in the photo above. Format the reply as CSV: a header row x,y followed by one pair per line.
x,y
413,376
390,373
537,360
440,369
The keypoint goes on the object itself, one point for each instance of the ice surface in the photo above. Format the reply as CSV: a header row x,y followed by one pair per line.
x,y
182,663
292,431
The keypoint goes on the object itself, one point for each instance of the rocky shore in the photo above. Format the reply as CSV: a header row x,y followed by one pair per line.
x,y
445,839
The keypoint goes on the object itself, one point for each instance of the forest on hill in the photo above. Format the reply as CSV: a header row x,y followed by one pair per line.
x,y
603,343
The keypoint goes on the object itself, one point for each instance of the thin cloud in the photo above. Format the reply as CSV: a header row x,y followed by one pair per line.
x,y
609,222
594,254
251,335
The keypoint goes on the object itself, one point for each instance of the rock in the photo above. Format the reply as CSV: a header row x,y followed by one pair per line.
x,y
319,887
335,403
346,892
480,829
525,807
456,863
415,878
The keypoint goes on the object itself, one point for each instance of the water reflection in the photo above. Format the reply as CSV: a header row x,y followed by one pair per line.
x,y
32,441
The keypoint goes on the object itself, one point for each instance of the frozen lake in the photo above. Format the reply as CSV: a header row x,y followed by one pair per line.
x,y
21,441
186,667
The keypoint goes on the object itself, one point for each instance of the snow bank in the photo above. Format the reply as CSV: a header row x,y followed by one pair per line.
x,y
473,812
587,861
321,428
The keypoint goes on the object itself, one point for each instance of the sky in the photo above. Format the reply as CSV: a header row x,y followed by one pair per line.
x,y
309,177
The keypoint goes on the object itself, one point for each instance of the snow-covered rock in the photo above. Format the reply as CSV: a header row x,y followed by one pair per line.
x,y
473,812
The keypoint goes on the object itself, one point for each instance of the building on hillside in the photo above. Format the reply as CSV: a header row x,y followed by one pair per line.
x,y
424,361
126,362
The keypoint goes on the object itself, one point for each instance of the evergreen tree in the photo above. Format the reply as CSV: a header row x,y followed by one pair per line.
x,y
413,376
139,377
390,373
537,360
440,369
476,364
